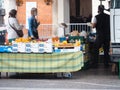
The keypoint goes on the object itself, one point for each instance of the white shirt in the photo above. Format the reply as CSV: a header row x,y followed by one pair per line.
x,y
60,32
94,20
11,32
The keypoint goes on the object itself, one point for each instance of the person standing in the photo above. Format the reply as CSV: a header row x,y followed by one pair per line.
x,y
102,24
33,24
13,22
61,29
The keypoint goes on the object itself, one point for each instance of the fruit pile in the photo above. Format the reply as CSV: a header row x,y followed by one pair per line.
x,y
66,44
24,40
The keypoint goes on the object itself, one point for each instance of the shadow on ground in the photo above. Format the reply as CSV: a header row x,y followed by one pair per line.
x,y
88,72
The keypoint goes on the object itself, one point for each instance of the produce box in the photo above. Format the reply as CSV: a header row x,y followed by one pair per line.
x,y
48,47
62,39
15,47
21,47
28,47
71,39
71,49
34,47
41,48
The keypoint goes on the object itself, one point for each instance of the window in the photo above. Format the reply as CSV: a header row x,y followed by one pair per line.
x,y
115,4
1,3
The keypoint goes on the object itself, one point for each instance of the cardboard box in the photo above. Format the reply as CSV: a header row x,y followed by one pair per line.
x,y
34,47
21,47
14,47
48,47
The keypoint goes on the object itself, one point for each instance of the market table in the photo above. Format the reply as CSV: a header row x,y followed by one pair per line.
x,y
41,63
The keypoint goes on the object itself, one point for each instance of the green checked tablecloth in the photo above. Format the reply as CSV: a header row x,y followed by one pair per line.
x,y
41,63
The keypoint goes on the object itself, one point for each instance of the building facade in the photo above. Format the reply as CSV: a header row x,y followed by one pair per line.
x,y
58,11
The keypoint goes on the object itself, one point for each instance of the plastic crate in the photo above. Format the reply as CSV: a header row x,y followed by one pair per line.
x,y
2,37
5,49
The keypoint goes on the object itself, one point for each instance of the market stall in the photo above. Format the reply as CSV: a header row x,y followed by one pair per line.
x,y
46,55
41,63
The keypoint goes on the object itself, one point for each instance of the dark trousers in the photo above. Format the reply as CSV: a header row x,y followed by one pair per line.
x,y
35,34
101,42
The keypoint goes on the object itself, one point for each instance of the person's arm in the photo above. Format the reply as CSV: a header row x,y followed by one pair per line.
x,y
93,23
30,30
17,25
36,24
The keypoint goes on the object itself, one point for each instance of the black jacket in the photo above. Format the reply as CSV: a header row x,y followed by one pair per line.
x,y
103,26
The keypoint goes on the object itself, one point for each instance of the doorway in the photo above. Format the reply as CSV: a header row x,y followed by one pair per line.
x,y
80,11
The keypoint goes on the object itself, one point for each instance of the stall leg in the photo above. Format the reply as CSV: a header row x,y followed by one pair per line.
x,y
64,75
59,75
67,75
119,68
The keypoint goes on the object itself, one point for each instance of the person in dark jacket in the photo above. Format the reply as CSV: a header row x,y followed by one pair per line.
x,y
102,24
33,24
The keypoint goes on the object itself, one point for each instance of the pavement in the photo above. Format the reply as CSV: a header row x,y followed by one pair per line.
x,y
99,78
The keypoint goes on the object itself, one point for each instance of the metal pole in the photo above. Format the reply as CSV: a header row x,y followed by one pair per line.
x,y
100,2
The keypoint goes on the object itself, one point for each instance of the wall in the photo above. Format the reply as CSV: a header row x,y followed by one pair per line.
x,y
95,5
8,5
1,3
66,11
47,14
54,17
44,12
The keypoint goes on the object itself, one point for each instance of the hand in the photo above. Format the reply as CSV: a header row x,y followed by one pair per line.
x,y
22,25
89,24
38,23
